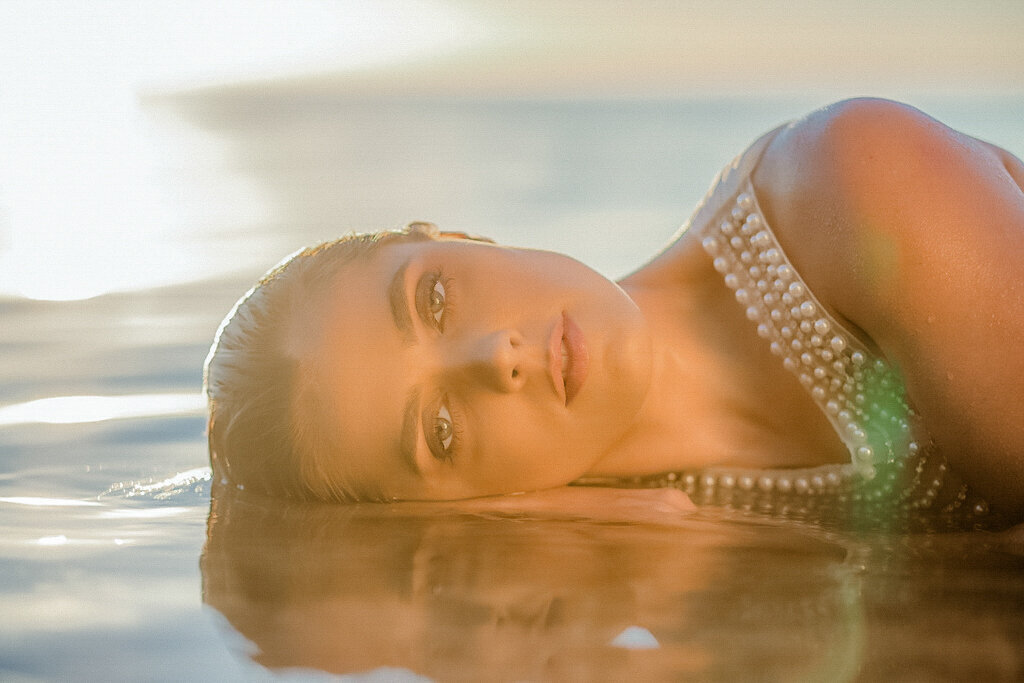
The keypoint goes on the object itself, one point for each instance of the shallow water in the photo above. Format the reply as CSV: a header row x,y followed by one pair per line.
x,y
105,505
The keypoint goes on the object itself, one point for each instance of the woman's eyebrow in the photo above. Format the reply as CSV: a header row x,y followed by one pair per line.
x,y
410,420
399,303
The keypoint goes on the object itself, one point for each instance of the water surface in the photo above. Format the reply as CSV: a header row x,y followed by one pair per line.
x,y
105,505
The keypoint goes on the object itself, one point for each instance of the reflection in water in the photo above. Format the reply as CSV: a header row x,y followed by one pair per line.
x,y
73,409
460,596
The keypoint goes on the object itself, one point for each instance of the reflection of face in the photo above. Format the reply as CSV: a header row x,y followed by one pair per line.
x,y
471,394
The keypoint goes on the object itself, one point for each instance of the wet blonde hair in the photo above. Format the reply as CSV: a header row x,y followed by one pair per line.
x,y
263,431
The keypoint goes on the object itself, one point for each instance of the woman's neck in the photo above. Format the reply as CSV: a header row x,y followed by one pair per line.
x,y
717,397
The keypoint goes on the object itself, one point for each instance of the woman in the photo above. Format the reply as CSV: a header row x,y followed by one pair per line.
x,y
838,320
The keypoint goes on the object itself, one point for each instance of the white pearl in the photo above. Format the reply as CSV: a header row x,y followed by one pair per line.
x,y
738,214
761,239
769,299
746,482
710,245
806,380
785,271
779,285
776,315
721,265
763,331
806,358
838,367
821,326
762,286
783,484
774,256
857,357
819,372
796,345
746,257
731,281
801,485
776,348
838,343
708,480
816,340
727,481
832,407
826,355
805,326
753,313
754,221
727,228
818,393
807,309
786,332
742,296
745,201
796,289
737,242
864,455
789,363
765,483
818,482
755,272
794,312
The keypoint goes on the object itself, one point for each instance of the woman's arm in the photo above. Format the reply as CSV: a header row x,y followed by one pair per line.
x,y
914,233
663,506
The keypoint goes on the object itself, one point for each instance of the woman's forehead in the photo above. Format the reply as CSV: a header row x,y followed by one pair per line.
x,y
354,368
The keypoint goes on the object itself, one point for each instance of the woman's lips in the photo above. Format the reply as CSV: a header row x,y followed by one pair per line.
x,y
575,360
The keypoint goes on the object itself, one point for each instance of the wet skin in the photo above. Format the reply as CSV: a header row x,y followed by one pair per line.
x,y
440,370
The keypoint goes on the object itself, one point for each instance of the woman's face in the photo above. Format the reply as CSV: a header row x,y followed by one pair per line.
x,y
450,368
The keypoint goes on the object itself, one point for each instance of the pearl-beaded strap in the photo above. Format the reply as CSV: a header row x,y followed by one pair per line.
x,y
860,394
894,464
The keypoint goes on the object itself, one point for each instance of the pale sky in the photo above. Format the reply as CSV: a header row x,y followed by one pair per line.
x,y
627,47
76,191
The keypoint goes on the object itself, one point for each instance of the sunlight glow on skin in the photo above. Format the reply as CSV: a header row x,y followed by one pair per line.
x,y
83,210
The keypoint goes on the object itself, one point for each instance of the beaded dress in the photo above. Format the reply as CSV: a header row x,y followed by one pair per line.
x,y
895,470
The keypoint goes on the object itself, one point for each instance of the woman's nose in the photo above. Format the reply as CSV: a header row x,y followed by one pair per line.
x,y
497,360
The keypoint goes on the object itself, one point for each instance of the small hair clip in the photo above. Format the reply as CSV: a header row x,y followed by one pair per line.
x,y
423,228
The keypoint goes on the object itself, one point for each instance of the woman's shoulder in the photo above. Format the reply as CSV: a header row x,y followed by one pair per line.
x,y
856,189
912,232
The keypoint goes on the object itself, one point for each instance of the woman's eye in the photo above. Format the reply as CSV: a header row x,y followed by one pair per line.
x,y
443,429
435,303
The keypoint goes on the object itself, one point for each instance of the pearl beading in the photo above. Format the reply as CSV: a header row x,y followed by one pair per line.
x,y
860,394
894,465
